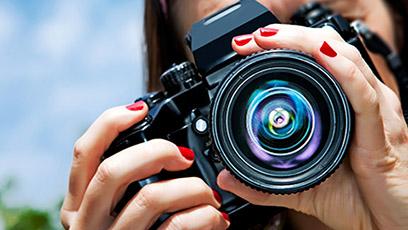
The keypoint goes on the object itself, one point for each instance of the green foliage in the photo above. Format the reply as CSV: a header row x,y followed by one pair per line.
x,y
25,218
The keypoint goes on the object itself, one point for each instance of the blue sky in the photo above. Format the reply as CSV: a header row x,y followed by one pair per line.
x,y
62,63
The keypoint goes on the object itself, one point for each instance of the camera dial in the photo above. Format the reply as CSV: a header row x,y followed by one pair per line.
x,y
179,77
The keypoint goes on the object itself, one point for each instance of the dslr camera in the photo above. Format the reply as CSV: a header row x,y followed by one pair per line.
x,y
277,120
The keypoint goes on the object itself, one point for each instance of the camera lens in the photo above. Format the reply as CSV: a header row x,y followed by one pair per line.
x,y
280,122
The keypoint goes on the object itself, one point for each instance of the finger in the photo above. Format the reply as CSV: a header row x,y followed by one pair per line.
x,y
201,217
391,110
165,197
245,45
293,37
89,148
369,129
309,40
289,37
280,36
116,172
227,182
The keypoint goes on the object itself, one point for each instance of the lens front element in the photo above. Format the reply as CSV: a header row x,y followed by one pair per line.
x,y
282,122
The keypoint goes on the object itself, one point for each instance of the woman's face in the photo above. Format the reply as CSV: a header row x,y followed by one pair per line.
x,y
186,12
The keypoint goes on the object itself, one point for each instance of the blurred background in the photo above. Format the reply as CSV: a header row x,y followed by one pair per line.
x,y
62,63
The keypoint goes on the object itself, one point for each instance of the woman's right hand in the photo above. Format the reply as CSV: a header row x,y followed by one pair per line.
x,y
370,189
95,188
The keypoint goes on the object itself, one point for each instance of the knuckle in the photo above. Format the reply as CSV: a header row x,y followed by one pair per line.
x,y
199,183
147,196
293,35
352,72
64,219
109,118
162,145
176,223
354,54
213,213
79,149
372,102
105,172
108,113
398,135
331,33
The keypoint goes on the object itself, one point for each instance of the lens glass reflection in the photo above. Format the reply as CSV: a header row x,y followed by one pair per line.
x,y
283,126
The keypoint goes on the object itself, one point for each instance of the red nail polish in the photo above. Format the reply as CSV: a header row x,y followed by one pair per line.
x,y
243,39
225,216
187,153
136,106
327,50
217,196
268,32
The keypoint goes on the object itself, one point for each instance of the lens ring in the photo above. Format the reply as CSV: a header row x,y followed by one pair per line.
x,y
337,118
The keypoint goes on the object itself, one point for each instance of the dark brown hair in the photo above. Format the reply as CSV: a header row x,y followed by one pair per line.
x,y
163,48
400,14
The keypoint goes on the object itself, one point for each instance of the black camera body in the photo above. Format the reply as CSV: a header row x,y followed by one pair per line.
x,y
250,115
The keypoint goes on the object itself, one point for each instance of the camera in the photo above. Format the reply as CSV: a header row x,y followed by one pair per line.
x,y
277,120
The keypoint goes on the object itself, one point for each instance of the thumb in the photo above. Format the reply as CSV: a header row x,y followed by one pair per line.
x,y
229,183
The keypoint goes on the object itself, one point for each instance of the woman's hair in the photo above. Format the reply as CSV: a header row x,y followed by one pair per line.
x,y
163,48
400,14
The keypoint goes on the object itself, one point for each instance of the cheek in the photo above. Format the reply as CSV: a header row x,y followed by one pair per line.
x,y
283,9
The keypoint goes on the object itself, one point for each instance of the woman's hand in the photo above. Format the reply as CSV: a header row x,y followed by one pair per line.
x,y
368,11
94,189
370,189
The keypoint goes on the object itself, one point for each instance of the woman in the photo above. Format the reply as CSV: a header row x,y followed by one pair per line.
x,y
368,191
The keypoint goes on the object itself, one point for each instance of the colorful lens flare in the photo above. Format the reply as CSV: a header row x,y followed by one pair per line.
x,y
283,125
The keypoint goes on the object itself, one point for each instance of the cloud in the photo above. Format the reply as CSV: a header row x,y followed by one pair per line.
x,y
57,35
76,59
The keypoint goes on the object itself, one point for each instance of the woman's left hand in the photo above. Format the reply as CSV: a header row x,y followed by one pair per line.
x,y
370,189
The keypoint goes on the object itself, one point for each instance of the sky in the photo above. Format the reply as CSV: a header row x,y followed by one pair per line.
x,y
62,63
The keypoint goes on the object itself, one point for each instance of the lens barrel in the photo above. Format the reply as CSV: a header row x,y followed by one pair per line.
x,y
280,122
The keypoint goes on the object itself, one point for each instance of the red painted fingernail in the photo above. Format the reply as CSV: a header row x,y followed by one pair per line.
x,y
268,32
187,153
225,216
327,50
243,39
136,106
217,196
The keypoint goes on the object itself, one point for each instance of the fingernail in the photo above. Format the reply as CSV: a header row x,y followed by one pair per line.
x,y
136,106
327,50
217,196
225,216
243,39
187,153
268,32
